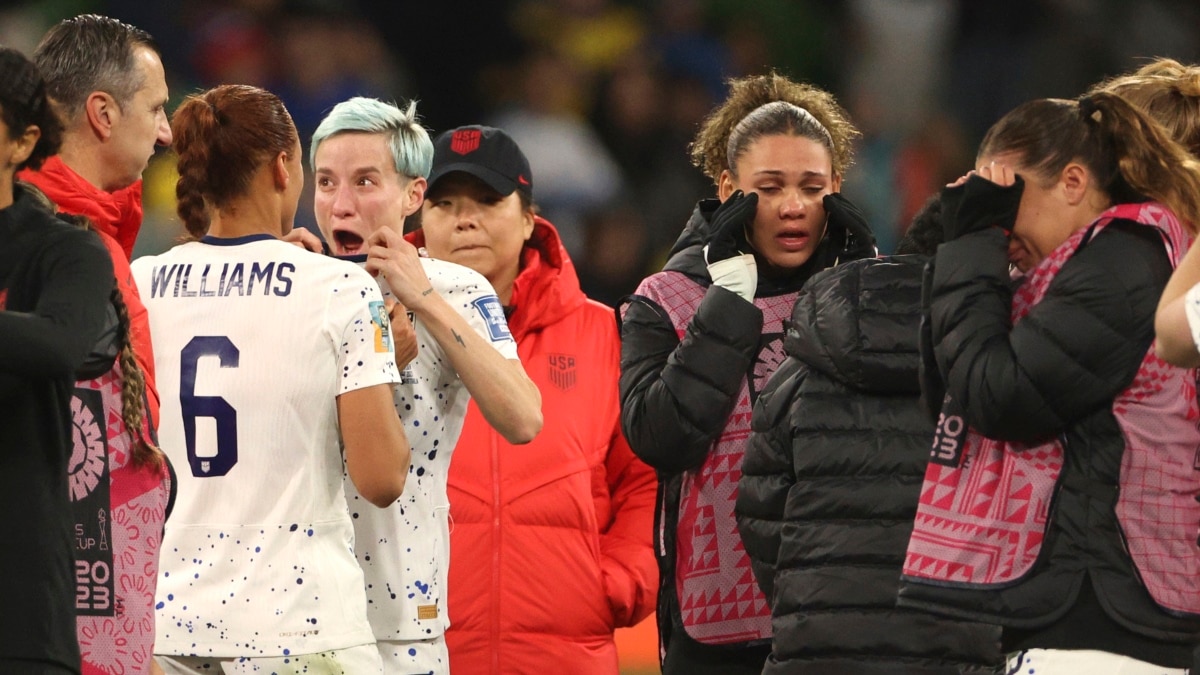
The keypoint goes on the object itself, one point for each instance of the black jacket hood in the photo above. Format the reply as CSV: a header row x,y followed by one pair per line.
x,y
859,323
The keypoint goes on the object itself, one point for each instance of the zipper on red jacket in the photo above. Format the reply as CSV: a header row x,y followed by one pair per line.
x,y
493,436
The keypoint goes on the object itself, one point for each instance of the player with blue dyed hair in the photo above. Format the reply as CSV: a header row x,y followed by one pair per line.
x,y
371,161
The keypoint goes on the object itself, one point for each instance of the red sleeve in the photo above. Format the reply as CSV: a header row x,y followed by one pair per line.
x,y
627,544
139,322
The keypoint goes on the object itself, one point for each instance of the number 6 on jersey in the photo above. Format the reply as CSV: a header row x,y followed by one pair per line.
x,y
194,406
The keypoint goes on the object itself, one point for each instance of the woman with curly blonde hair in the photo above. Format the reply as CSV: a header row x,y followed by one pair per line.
x,y
701,338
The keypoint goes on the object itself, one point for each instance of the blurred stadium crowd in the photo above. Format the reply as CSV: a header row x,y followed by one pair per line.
x,y
604,95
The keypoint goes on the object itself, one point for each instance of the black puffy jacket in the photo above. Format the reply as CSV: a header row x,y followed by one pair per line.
x,y
1056,373
677,394
831,480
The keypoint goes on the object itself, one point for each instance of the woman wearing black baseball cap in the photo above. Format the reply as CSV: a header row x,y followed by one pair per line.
x,y
565,521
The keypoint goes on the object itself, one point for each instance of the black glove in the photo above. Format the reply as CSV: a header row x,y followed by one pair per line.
x,y
727,227
846,229
979,204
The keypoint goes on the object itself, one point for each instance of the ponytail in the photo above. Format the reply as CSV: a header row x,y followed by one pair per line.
x,y
222,137
1130,156
1166,90
1148,160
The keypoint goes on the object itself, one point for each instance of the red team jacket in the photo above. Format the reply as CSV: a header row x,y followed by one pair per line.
x,y
117,217
551,542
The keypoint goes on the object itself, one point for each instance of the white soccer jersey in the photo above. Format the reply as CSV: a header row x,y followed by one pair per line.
x,y
404,549
1192,313
254,339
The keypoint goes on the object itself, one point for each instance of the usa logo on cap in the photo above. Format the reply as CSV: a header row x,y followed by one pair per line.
x,y
465,141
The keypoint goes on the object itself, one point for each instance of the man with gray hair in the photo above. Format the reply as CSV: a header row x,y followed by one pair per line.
x,y
105,80
107,83
371,160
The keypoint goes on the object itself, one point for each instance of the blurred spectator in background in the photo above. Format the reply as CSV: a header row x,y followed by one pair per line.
x,y
576,173
990,60
231,43
616,254
592,34
646,117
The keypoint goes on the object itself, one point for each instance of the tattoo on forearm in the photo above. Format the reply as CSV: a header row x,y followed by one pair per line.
x,y
458,338
427,291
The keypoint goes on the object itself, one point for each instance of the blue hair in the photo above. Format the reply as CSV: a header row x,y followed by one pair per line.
x,y
412,150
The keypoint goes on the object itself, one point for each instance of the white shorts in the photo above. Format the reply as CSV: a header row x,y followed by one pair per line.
x,y
415,657
1076,661
349,661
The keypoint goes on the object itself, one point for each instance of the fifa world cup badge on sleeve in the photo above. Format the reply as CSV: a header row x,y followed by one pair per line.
x,y
383,330
493,315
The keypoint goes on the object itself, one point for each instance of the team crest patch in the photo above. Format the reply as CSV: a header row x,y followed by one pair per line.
x,y
465,141
492,311
383,329
562,371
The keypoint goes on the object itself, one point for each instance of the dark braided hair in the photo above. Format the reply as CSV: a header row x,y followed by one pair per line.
x,y
222,136
133,380
133,393
23,103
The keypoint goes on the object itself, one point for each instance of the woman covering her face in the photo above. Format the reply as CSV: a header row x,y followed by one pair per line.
x,y
1059,501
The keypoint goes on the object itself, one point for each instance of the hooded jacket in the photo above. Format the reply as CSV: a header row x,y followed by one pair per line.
x,y
693,359
831,480
550,544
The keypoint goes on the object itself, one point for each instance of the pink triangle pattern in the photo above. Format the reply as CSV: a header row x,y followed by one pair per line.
x,y
983,521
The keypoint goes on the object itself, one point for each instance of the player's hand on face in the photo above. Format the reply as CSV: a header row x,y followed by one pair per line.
x,y
404,334
1000,174
397,260
305,239
961,179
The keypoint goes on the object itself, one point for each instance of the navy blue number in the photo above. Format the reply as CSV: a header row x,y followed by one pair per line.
x,y
208,406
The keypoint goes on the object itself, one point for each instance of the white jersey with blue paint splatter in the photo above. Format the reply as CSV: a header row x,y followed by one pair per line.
x,y
254,340
404,549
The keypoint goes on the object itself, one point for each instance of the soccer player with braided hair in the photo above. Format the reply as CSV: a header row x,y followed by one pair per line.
x,y
55,282
258,572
